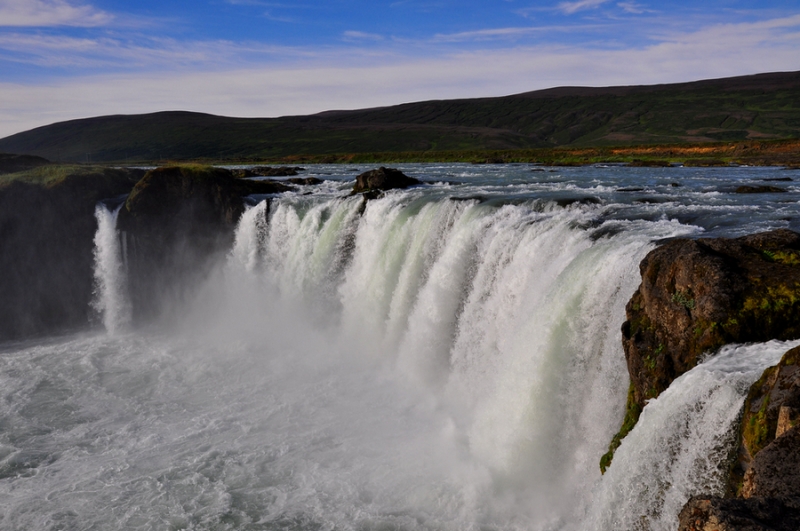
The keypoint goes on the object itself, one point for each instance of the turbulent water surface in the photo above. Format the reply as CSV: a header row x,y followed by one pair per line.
x,y
450,359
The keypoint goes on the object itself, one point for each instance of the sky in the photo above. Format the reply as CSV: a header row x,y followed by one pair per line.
x,y
67,59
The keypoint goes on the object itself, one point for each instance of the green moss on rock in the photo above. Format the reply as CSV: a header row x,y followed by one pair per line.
x,y
698,295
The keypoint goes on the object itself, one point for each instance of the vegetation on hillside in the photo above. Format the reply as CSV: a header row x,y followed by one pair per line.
x,y
751,108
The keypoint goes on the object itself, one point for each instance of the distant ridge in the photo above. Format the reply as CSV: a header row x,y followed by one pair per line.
x,y
759,107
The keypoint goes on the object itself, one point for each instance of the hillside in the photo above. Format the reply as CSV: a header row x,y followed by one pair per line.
x,y
759,107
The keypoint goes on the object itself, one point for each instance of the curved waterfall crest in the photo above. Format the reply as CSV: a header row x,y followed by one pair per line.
x,y
417,362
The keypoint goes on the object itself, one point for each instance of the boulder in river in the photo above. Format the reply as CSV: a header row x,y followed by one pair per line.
x,y
744,189
382,179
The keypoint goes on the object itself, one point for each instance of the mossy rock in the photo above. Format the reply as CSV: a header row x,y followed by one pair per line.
x,y
697,295
778,386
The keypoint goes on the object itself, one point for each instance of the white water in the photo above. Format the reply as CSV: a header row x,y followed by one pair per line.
x,y
682,441
433,364
110,294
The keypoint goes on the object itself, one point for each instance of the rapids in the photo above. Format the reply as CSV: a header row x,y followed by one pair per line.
x,y
433,364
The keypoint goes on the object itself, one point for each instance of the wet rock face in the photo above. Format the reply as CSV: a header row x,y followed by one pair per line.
x,y
382,179
697,295
775,470
711,513
770,418
46,249
174,221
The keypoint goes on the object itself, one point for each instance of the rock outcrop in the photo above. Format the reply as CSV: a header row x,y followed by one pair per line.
x,y
47,228
697,295
174,221
712,513
771,412
760,190
381,180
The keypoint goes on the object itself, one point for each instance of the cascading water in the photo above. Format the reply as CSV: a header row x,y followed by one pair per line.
x,y
110,294
682,442
506,318
434,363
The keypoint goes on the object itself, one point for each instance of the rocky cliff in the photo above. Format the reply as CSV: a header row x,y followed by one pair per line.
x,y
697,295
47,227
174,220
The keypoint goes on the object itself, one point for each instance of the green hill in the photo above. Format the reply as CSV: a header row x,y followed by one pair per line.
x,y
759,107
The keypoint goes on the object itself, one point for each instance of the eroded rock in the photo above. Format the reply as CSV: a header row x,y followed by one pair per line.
x,y
382,179
47,228
175,220
712,513
697,295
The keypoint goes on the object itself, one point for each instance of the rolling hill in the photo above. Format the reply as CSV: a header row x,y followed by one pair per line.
x,y
757,107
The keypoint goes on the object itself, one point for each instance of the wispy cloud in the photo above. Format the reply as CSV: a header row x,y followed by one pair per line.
x,y
634,8
486,34
354,36
570,8
142,54
46,13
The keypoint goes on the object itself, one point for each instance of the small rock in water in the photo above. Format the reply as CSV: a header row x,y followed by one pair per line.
x,y
759,189
382,179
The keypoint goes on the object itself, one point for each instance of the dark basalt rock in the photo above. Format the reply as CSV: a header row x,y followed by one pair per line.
x,y
281,171
759,190
772,408
382,179
775,470
305,181
697,295
47,228
712,513
174,220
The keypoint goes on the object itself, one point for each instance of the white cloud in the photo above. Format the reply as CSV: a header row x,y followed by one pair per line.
x,y
487,34
342,79
634,8
152,54
570,8
361,36
44,13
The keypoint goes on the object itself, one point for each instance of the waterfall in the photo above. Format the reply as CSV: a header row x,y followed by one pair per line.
x,y
444,357
682,442
508,317
110,299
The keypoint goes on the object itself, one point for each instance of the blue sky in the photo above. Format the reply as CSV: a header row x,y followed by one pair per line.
x,y
64,59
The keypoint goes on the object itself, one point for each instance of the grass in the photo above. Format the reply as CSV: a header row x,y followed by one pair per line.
x,y
52,175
